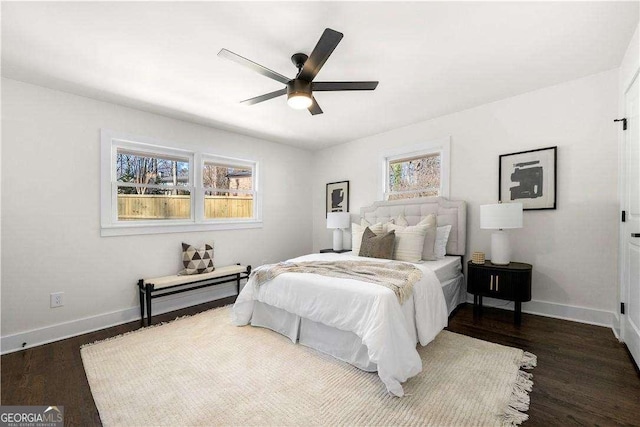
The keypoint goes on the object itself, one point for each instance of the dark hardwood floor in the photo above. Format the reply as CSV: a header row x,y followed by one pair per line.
x,y
584,375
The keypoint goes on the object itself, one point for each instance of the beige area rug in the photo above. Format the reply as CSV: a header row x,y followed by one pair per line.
x,y
201,370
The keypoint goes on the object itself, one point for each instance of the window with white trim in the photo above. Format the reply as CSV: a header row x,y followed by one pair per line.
x,y
419,171
152,184
152,187
228,188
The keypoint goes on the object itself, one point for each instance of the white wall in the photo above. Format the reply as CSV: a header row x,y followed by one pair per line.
x,y
630,62
51,214
574,248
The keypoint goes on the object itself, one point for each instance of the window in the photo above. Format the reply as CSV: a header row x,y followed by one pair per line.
x,y
228,189
419,171
148,187
152,186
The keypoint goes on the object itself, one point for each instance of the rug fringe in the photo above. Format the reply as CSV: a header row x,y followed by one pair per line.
x,y
144,328
515,412
529,361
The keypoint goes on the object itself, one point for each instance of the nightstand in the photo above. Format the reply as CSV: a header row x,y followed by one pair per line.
x,y
507,282
324,251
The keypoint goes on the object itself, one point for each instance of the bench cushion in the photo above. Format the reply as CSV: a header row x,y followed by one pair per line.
x,y
166,281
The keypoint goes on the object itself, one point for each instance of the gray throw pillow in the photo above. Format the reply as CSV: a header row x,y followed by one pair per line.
x,y
374,246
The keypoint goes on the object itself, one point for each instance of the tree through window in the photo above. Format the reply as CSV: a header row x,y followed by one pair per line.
x,y
415,176
417,171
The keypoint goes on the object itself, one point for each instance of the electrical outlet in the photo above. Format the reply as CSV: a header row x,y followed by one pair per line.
x,y
57,299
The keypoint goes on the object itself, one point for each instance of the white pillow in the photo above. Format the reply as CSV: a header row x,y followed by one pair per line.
x,y
358,230
442,237
428,252
402,221
399,220
409,242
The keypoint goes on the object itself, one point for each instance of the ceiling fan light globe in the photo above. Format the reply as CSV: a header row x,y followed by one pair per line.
x,y
299,101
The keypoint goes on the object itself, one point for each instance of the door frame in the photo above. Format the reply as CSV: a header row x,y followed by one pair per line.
x,y
622,232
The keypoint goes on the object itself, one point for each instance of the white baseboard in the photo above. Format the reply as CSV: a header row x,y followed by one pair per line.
x,y
591,316
35,337
616,326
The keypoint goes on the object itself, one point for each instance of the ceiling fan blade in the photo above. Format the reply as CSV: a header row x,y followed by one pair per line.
x,y
227,54
327,43
265,97
329,86
315,108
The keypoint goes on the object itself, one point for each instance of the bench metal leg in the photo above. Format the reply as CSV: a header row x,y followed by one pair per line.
x,y
248,273
141,292
149,289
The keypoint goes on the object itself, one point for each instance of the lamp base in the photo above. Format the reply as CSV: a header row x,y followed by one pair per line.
x,y
500,248
337,239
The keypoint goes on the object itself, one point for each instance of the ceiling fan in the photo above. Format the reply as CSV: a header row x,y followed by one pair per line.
x,y
299,90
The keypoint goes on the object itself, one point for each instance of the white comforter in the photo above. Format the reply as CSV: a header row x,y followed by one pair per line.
x,y
372,312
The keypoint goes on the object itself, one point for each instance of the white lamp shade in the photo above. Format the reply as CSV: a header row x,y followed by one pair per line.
x,y
501,216
338,220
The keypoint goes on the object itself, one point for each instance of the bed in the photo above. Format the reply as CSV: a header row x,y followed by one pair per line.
x,y
358,323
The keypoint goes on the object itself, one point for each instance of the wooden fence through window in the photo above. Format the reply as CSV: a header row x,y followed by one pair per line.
x,y
153,206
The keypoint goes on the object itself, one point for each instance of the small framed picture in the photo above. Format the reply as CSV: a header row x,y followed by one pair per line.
x,y
338,196
529,177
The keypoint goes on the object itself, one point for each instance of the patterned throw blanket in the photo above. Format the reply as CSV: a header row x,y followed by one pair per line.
x,y
397,276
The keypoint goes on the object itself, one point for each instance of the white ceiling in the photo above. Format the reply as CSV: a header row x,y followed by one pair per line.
x,y
430,58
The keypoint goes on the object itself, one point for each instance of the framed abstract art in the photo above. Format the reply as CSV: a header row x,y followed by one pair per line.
x,y
337,199
529,177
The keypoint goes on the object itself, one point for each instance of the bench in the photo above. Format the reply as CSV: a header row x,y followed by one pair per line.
x,y
169,285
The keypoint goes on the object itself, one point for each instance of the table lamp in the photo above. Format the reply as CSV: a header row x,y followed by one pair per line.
x,y
499,217
338,221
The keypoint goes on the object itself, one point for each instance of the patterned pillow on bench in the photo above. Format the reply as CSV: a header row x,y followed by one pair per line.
x,y
197,261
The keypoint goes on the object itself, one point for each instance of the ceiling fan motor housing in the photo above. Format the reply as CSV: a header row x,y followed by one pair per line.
x,y
298,87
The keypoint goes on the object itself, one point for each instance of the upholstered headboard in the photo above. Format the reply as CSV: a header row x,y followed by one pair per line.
x,y
452,212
